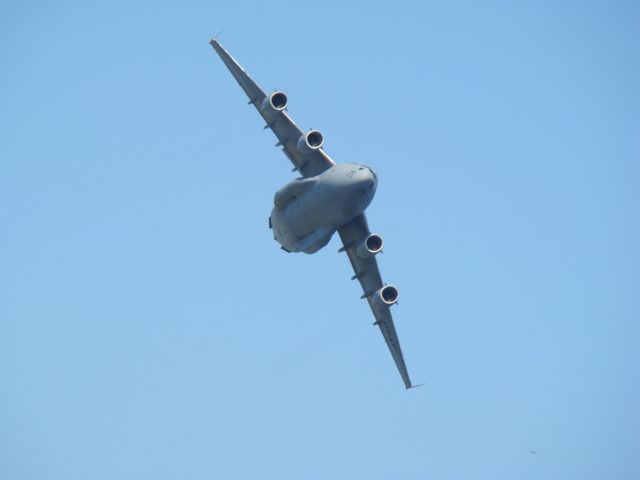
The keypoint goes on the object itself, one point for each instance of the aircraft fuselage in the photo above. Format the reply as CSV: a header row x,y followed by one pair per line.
x,y
308,211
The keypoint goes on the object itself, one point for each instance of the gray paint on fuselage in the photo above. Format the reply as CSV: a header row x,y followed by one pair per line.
x,y
338,195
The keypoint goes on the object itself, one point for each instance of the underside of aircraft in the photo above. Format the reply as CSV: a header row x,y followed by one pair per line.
x,y
326,198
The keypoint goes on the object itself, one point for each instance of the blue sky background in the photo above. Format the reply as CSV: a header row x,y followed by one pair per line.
x,y
150,327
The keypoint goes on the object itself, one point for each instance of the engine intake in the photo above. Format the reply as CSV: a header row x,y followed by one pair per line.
x,y
310,142
274,103
370,246
386,296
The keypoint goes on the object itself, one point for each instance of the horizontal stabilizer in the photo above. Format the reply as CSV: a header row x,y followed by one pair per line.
x,y
315,240
291,191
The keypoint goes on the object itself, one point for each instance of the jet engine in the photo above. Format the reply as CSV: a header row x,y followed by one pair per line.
x,y
274,103
310,142
370,246
386,296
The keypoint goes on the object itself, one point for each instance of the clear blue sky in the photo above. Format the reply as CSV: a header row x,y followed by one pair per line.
x,y
150,327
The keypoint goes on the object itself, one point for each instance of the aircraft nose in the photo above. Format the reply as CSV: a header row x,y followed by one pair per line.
x,y
364,181
368,181
370,178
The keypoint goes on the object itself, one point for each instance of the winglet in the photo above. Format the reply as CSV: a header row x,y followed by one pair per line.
x,y
416,386
215,37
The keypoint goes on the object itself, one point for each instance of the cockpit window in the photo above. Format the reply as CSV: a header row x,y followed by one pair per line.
x,y
362,167
373,173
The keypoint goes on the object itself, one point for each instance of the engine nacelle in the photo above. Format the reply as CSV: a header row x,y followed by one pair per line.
x,y
274,103
386,296
370,246
310,142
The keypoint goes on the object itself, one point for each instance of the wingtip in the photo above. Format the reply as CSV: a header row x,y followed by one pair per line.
x,y
415,386
214,39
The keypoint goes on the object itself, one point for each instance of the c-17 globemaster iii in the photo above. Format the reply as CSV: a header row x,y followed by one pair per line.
x,y
325,199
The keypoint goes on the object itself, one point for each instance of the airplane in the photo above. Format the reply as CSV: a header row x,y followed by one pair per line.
x,y
326,198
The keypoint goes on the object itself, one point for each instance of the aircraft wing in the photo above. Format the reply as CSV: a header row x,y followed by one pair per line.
x,y
309,164
366,271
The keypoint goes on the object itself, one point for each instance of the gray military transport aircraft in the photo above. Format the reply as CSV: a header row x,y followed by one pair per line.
x,y
327,198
